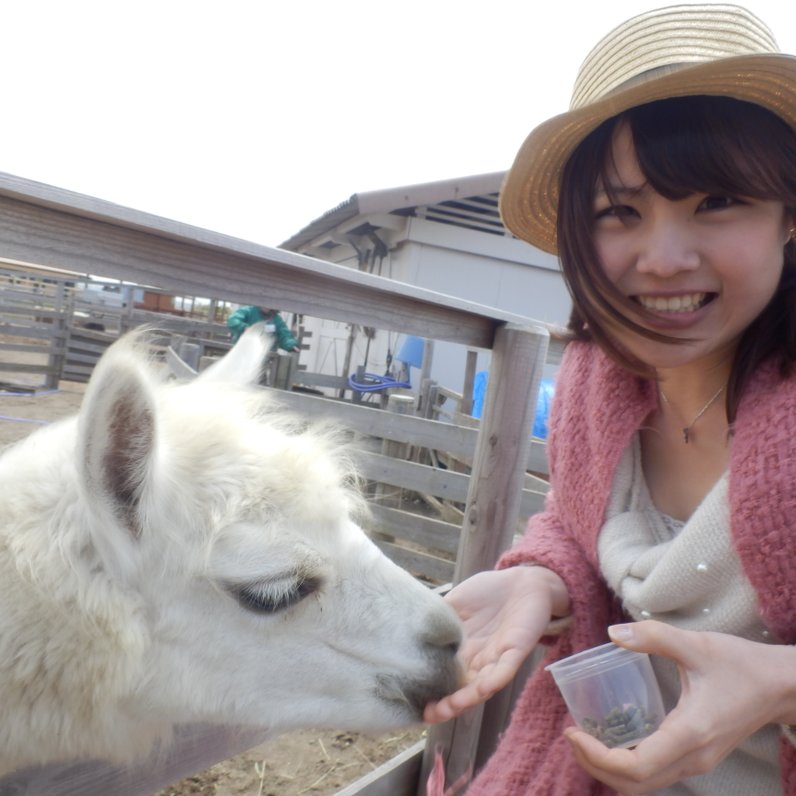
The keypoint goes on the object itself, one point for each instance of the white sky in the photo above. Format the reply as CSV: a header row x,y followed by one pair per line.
x,y
254,117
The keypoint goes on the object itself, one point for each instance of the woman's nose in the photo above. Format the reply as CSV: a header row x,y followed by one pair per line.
x,y
667,248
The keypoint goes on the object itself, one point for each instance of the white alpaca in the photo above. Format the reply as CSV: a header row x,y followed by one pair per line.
x,y
181,553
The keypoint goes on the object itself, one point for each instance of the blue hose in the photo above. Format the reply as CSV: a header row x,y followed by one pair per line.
x,y
376,383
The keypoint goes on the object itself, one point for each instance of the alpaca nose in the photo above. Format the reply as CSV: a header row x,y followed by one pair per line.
x,y
443,630
442,637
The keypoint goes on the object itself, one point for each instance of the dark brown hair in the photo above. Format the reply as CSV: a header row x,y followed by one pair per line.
x,y
686,145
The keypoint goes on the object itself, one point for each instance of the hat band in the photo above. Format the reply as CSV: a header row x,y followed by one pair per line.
x,y
648,76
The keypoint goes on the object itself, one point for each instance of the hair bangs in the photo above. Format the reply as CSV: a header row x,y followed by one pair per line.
x,y
713,145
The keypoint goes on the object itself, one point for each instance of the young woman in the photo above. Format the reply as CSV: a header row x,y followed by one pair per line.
x,y
669,193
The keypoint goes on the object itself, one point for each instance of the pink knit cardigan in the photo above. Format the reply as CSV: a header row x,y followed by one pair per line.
x,y
597,408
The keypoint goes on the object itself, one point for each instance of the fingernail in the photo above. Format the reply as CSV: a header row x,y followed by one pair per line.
x,y
621,632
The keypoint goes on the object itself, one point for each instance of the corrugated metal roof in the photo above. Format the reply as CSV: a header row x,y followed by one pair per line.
x,y
466,201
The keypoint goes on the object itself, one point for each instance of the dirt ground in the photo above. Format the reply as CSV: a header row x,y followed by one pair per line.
x,y
307,762
303,762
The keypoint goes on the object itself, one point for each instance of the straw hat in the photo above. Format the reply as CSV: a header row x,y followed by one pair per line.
x,y
677,51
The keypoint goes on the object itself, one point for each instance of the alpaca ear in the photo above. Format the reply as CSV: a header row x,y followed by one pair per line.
x,y
117,435
244,362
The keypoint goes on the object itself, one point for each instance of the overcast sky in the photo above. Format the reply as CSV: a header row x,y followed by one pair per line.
x,y
254,117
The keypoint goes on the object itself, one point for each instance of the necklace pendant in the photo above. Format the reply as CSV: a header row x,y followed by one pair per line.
x,y
687,429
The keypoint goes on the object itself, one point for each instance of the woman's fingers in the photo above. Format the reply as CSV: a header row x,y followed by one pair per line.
x,y
481,685
647,768
686,647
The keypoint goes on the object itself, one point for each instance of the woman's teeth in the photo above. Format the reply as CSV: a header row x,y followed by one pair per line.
x,y
685,303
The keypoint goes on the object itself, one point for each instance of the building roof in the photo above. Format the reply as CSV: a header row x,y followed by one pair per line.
x,y
466,201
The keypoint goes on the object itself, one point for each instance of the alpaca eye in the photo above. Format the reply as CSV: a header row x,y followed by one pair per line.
x,y
270,597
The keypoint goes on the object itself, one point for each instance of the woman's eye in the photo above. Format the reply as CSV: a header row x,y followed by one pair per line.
x,y
615,211
271,597
717,202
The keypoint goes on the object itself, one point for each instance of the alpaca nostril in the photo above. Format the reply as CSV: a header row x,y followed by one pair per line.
x,y
443,630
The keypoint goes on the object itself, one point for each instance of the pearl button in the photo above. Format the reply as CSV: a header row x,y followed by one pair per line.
x,y
645,614
702,567
706,611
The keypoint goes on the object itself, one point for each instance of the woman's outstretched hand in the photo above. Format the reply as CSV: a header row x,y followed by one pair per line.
x,y
731,687
504,613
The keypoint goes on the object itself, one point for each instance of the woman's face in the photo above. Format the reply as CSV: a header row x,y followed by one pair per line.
x,y
704,266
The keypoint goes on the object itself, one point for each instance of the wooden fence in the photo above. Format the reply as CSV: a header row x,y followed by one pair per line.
x,y
43,225
33,322
51,331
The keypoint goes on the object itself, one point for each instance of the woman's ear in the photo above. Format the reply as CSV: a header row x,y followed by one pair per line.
x,y
788,231
790,226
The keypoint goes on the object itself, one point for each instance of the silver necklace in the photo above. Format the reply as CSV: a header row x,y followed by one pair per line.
x,y
687,434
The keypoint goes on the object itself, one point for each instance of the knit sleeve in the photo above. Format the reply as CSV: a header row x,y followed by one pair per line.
x,y
546,543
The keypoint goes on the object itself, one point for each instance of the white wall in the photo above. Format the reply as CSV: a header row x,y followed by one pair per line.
x,y
492,270
487,269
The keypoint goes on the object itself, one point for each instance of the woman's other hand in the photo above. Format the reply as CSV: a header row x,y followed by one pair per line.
x,y
731,688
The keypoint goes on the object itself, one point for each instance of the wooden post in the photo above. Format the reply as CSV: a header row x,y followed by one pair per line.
x,y
356,396
466,404
126,316
56,356
493,503
428,358
424,376
284,371
349,348
190,354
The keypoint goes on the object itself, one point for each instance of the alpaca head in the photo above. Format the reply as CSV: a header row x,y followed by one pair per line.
x,y
230,526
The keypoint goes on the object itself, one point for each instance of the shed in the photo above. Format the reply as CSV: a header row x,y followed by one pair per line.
x,y
445,236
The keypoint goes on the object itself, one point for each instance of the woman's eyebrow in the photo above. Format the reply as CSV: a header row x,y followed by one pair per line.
x,y
621,191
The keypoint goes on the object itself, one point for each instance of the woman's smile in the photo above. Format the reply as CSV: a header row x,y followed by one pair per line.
x,y
685,302
671,313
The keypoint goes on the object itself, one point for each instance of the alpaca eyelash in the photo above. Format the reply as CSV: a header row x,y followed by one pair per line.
x,y
270,597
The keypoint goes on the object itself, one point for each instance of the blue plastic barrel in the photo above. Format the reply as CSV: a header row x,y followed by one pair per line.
x,y
543,401
411,352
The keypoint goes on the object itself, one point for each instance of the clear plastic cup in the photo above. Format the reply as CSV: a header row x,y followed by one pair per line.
x,y
611,693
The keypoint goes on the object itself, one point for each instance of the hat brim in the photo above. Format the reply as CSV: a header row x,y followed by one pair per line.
x,y
529,195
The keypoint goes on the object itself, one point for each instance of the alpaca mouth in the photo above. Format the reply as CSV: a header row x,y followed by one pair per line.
x,y
411,695
398,692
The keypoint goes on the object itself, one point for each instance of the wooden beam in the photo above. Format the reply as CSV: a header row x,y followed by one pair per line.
x,y
61,229
397,776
